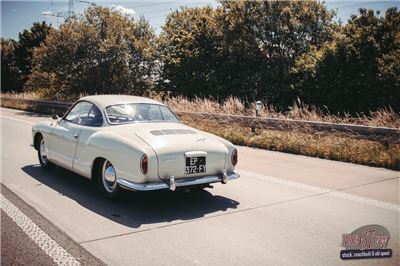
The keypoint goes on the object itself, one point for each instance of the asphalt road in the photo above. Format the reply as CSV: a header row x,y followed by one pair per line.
x,y
284,210
15,242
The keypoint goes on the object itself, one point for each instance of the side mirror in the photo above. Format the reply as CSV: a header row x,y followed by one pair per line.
x,y
55,117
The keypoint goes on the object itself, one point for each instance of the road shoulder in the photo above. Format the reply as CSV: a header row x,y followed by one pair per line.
x,y
63,240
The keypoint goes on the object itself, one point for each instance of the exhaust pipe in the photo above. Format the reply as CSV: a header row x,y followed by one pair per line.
x,y
224,177
172,185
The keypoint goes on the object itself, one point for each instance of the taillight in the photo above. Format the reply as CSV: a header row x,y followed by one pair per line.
x,y
144,164
234,157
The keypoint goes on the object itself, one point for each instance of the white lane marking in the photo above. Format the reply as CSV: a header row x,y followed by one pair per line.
x,y
328,192
58,254
16,119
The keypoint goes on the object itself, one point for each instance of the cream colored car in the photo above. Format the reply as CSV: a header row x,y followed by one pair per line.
x,y
133,143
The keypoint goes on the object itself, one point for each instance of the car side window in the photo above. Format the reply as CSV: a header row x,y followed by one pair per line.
x,y
95,118
168,115
85,113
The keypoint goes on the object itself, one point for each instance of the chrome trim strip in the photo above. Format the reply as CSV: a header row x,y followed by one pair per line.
x,y
195,153
178,182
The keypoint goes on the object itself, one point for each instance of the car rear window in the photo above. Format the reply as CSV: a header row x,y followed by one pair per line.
x,y
139,112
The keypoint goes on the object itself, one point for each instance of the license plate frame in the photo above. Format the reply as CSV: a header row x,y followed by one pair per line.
x,y
195,165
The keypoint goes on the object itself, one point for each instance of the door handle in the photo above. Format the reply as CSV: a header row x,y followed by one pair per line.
x,y
75,135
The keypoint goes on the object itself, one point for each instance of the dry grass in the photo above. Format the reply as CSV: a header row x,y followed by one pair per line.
x,y
335,148
385,117
17,103
329,147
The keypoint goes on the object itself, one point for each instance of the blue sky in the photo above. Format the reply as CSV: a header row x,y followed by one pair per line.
x,y
19,15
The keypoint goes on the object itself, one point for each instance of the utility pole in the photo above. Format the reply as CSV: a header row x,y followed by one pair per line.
x,y
65,15
71,11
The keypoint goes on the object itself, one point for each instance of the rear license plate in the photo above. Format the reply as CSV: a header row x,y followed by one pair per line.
x,y
195,165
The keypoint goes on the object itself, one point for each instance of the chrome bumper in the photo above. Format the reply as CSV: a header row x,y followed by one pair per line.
x,y
173,183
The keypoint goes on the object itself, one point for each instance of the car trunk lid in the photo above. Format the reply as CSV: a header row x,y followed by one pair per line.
x,y
180,147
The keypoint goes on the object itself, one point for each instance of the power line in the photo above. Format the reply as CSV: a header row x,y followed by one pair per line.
x,y
71,10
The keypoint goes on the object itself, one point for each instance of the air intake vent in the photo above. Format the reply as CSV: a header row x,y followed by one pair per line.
x,y
169,131
172,132
157,133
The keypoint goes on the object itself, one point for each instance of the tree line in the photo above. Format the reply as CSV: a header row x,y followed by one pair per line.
x,y
274,51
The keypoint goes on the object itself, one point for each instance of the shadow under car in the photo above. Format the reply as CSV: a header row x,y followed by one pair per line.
x,y
135,208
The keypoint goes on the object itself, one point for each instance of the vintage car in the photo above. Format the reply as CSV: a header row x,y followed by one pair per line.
x,y
133,143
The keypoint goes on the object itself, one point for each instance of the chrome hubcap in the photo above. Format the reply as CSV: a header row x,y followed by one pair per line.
x,y
109,177
43,154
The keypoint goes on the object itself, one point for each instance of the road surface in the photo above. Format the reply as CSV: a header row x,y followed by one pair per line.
x,y
284,210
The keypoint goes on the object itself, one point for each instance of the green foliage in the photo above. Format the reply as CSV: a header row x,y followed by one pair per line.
x,y
102,52
190,52
264,38
244,48
9,71
17,60
28,40
359,70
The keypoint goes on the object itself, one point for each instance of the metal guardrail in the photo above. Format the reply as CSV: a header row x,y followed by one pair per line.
x,y
52,104
381,134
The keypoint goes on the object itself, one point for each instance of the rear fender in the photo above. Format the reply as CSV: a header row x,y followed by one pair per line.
x,y
229,166
123,153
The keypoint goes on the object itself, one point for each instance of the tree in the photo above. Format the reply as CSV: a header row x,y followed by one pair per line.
x,y
10,78
189,48
104,51
359,70
16,59
28,40
264,39
243,48
389,61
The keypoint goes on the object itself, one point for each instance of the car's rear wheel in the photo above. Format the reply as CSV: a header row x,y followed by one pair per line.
x,y
42,153
107,180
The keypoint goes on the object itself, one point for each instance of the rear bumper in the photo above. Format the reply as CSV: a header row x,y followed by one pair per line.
x,y
176,182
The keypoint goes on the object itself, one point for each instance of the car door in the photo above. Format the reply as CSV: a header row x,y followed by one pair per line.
x,y
65,134
93,124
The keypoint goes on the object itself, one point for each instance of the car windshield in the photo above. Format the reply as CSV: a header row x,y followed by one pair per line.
x,y
139,112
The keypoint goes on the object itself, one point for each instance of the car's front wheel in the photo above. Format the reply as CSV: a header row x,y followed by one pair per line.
x,y
107,180
42,154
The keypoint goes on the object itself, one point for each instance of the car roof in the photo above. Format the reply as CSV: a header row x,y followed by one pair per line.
x,y
102,101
